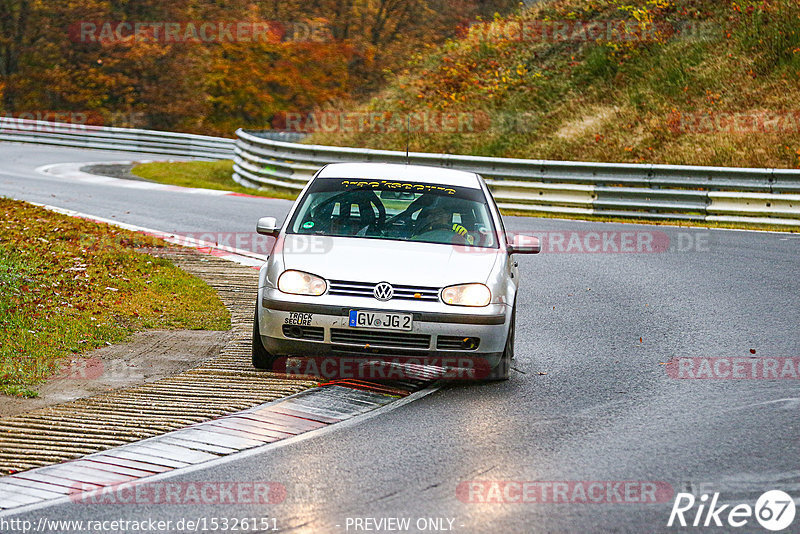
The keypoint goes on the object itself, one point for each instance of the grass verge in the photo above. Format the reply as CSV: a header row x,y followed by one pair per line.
x,y
203,174
68,286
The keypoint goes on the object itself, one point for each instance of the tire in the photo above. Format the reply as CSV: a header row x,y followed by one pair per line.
x,y
261,358
503,368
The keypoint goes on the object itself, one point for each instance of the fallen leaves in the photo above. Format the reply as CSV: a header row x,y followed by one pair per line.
x,y
87,285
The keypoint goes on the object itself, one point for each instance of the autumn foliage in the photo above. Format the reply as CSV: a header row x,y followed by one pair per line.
x,y
693,82
316,52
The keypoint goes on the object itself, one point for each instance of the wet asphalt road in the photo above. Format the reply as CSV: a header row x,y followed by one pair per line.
x,y
589,398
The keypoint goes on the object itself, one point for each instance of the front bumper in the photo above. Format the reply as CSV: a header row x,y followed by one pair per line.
x,y
329,322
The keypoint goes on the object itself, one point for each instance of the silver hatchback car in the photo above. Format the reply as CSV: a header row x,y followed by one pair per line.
x,y
383,261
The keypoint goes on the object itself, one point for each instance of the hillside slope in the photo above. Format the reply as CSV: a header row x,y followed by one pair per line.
x,y
694,82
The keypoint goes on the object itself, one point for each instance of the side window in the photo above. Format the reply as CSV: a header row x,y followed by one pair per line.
x,y
503,234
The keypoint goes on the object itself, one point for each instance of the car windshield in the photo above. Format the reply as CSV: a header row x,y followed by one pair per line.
x,y
394,210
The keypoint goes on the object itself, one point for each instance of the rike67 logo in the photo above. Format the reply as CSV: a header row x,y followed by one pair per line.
x,y
774,510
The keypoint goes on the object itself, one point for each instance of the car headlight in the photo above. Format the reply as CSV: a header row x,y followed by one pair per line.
x,y
467,295
300,283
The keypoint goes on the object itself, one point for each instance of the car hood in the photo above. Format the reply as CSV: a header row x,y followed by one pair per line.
x,y
396,262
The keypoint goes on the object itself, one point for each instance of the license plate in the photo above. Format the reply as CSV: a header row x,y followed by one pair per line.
x,y
383,320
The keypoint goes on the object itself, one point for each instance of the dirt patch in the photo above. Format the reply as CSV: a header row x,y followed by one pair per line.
x,y
114,170
589,123
224,383
147,357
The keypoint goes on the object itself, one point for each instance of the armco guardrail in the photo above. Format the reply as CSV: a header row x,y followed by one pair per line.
x,y
108,138
665,192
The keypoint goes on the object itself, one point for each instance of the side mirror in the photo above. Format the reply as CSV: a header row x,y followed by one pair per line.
x,y
268,226
524,244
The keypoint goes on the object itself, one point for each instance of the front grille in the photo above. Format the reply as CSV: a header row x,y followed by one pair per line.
x,y
312,333
375,338
457,343
365,289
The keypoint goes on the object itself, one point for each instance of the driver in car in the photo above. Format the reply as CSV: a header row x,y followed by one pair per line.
x,y
439,217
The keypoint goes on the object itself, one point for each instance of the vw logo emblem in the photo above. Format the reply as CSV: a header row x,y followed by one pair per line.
x,y
383,291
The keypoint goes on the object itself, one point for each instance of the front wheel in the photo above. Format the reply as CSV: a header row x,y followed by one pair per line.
x,y
502,369
261,358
